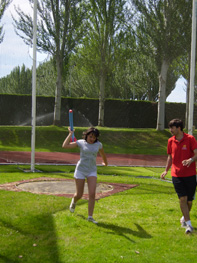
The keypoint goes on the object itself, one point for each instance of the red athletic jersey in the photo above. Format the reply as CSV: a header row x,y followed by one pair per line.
x,y
179,151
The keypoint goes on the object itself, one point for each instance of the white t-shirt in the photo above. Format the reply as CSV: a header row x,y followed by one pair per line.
x,y
88,154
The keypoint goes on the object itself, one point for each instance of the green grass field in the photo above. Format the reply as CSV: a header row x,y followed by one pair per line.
x,y
50,139
138,225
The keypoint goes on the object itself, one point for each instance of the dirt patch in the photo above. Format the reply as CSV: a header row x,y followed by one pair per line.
x,y
62,187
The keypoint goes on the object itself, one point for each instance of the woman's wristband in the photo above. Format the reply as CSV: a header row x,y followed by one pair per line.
x,y
192,159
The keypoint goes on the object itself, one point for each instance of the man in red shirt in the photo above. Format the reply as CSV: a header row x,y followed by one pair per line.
x,y
182,154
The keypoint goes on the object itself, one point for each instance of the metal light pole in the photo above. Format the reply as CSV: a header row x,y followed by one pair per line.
x,y
33,120
192,69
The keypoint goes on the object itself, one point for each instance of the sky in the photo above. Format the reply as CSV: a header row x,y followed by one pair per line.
x,y
179,93
14,52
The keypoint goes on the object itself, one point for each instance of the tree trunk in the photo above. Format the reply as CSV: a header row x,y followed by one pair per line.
x,y
101,100
162,96
57,107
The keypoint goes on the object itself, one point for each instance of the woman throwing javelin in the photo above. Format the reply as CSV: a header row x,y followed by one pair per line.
x,y
86,167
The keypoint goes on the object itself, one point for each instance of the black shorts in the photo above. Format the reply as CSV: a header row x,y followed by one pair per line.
x,y
185,186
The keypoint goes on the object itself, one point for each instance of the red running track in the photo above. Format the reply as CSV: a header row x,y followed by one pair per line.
x,y
7,157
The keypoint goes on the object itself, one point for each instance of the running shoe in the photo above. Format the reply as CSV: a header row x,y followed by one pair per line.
x,y
72,206
91,219
183,223
189,230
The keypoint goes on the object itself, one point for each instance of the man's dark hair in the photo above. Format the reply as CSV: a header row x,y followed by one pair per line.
x,y
177,123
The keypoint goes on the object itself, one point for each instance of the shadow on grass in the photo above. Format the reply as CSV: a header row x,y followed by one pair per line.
x,y
33,241
29,235
123,231
5,259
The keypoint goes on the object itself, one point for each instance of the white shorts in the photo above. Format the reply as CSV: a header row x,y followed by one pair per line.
x,y
83,175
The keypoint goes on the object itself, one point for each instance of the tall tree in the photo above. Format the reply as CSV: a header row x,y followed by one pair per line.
x,y
166,24
85,67
46,79
3,5
17,82
59,31
106,23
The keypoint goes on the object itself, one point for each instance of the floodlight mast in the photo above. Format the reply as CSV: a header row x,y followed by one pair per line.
x,y
33,120
192,68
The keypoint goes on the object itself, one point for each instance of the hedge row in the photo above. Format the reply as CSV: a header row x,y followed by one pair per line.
x,y
16,110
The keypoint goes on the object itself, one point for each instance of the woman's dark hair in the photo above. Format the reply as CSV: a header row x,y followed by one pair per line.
x,y
177,123
91,130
